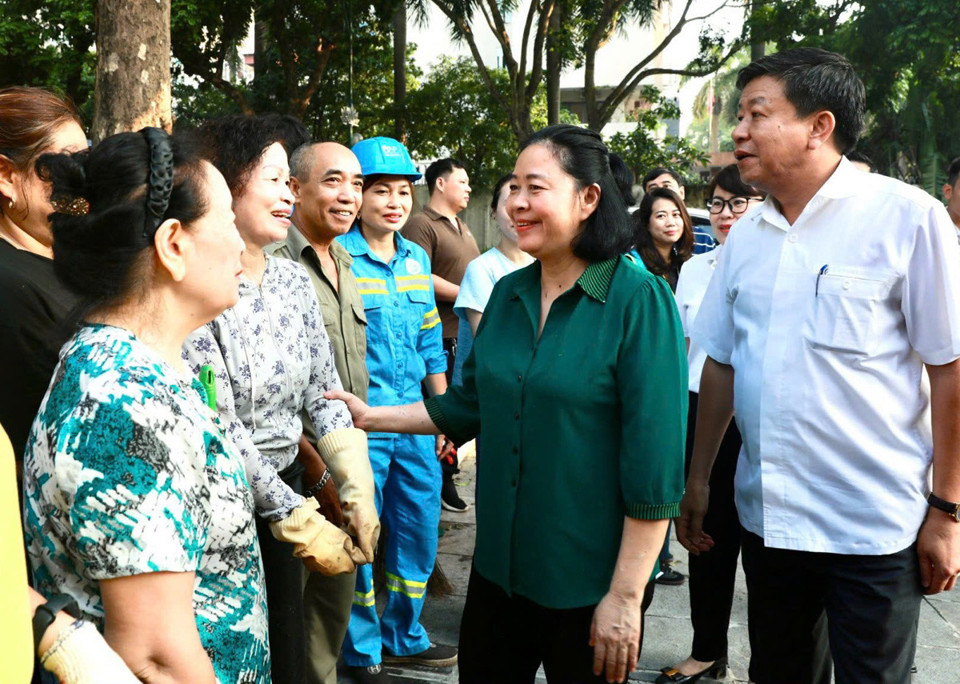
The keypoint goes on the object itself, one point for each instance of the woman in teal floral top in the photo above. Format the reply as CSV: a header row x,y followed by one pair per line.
x,y
137,504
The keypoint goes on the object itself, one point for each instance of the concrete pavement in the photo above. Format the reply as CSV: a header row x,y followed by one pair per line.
x,y
668,631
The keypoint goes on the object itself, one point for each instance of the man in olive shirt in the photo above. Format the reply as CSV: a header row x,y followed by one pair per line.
x,y
326,181
450,246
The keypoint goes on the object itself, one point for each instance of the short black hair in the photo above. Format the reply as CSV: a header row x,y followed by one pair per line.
x,y
858,156
729,179
683,248
658,171
498,186
100,255
581,153
624,178
235,144
441,167
953,172
815,79
288,129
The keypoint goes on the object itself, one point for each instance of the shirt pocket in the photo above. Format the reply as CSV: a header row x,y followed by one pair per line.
x,y
423,312
361,320
849,302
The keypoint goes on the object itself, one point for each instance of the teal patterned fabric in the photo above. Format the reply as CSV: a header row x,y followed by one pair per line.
x,y
128,472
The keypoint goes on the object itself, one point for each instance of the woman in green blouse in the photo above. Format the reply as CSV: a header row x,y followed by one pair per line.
x,y
578,375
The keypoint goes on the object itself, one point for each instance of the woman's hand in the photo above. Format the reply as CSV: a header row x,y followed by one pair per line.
x,y
357,407
615,636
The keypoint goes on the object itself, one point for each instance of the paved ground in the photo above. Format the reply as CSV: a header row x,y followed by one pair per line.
x,y
668,625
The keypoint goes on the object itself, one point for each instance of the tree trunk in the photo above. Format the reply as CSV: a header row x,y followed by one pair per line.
x,y
400,71
259,46
554,64
133,67
757,47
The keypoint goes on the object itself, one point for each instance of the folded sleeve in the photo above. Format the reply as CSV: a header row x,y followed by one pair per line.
x,y
713,327
652,392
931,290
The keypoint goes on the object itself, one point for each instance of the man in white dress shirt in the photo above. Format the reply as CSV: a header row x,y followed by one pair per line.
x,y
826,304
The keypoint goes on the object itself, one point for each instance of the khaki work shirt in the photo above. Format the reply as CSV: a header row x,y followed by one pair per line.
x,y
450,250
342,311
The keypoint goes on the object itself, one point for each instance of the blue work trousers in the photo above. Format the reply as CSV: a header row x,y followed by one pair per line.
x,y
407,479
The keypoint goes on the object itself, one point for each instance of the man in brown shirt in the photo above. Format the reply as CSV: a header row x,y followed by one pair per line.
x,y
326,181
450,246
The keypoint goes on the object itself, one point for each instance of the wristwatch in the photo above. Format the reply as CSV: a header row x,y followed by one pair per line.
x,y
46,613
948,507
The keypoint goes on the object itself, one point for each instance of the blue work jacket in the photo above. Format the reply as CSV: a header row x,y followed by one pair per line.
x,y
404,341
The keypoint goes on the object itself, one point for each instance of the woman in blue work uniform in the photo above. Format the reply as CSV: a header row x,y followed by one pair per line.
x,y
404,348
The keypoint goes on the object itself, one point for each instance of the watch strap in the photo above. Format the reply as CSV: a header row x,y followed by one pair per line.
x,y
952,509
46,613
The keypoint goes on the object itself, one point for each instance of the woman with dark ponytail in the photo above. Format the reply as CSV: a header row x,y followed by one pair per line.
x,y
577,378
137,505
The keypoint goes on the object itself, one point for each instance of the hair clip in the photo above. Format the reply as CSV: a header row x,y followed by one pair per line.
x,y
159,178
71,206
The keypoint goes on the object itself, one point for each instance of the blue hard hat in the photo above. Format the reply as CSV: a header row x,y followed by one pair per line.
x,y
385,156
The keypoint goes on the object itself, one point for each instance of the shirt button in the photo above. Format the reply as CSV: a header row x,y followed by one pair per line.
x,y
793,237
519,378
516,416
846,284
395,303
513,482
516,450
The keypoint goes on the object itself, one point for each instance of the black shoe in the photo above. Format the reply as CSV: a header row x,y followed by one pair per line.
x,y
449,498
435,656
374,674
671,675
668,576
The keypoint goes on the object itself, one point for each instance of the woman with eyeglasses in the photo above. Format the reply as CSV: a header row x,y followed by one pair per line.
x,y
663,234
712,574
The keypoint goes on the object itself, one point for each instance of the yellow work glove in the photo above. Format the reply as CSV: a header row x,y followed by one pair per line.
x,y
322,547
345,453
81,656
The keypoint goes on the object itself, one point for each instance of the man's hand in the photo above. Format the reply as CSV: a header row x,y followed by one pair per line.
x,y
938,549
693,508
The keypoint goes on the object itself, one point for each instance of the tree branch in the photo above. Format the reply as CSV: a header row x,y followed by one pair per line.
x,y
610,105
628,82
468,36
536,71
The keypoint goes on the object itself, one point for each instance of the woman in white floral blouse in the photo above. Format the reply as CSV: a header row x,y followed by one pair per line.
x,y
272,360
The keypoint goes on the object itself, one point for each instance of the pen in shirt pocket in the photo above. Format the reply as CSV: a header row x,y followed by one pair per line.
x,y
823,271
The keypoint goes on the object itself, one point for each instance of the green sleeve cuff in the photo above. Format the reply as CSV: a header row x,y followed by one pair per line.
x,y
653,511
446,428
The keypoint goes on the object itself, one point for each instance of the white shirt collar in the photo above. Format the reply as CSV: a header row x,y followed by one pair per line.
x,y
843,182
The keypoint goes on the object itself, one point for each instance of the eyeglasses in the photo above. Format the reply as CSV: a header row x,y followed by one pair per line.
x,y
737,205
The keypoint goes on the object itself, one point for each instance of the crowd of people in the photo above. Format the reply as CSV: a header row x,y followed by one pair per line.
x,y
239,367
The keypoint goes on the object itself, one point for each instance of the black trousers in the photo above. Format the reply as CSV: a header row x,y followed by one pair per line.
x,y
283,576
713,574
504,639
806,607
